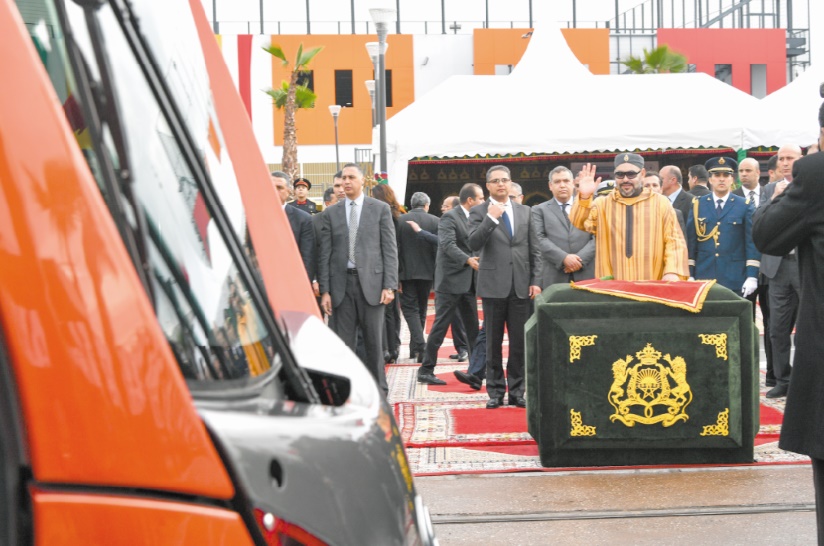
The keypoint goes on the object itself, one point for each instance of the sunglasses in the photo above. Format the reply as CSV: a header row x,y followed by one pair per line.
x,y
629,175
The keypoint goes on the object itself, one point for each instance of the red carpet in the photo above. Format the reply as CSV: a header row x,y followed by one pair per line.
x,y
447,429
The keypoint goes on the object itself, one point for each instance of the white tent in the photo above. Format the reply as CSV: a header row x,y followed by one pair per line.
x,y
552,104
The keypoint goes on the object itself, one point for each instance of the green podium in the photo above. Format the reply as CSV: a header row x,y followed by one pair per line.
x,y
615,382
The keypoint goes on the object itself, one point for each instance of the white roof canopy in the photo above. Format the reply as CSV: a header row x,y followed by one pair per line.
x,y
552,104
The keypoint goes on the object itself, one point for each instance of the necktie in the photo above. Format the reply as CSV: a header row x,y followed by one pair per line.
x,y
752,198
720,206
353,230
564,210
508,224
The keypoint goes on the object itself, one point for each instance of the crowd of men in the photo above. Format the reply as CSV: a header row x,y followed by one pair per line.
x,y
641,225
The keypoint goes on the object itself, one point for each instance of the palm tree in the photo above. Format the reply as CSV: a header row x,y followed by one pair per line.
x,y
290,96
660,60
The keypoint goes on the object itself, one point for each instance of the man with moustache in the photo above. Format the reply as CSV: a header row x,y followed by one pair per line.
x,y
783,278
749,173
637,237
719,233
509,276
568,253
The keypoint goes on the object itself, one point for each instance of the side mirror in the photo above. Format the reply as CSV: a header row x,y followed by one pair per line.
x,y
333,390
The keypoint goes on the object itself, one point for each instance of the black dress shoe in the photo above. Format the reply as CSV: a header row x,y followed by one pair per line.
x,y
779,391
460,356
430,379
518,401
494,403
769,382
469,379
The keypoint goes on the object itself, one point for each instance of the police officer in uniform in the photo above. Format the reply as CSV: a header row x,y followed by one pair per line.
x,y
301,188
719,233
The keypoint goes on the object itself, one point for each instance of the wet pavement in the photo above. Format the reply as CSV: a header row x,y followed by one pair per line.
x,y
734,505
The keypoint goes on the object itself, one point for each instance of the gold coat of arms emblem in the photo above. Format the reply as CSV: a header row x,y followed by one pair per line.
x,y
654,390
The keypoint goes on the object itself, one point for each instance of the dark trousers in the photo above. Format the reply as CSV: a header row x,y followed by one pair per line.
x,y
762,295
459,333
818,483
353,312
392,327
414,302
477,358
447,306
511,312
785,288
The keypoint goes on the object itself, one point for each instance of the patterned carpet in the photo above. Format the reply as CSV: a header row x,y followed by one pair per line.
x,y
447,430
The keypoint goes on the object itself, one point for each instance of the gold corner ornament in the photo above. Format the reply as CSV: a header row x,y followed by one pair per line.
x,y
721,426
650,391
720,342
575,344
578,426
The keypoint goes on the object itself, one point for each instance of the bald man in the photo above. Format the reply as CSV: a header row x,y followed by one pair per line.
x,y
749,173
783,278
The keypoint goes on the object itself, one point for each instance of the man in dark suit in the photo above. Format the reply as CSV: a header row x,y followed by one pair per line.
x,y
785,284
699,180
509,276
795,220
358,268
300,222
652,180
568,253
719,236
672,188
416,270
454,284
749,173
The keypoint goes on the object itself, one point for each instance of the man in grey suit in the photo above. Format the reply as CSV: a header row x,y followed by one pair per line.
x,y
358,268
454,284
672,187
568,253
509,276
785,285
416,270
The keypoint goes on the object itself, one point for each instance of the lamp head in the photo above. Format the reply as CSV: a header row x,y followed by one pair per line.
x,y
382,16
370,86
334,109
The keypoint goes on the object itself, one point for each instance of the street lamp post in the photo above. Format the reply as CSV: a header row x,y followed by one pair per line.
x,y
334,109
382,17
370,86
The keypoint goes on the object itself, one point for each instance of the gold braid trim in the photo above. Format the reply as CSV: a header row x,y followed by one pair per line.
x,y
701,227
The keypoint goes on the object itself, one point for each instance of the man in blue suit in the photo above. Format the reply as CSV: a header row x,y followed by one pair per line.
x,y
719,233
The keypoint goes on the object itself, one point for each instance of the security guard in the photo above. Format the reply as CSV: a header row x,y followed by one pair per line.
x,y
301,188
719,233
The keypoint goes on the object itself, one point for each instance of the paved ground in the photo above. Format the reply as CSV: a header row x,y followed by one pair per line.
x,y
771,505
753,505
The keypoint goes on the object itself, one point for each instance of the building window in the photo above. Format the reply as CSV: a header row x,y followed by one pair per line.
x,y
723,72
343,88
307,78
758,80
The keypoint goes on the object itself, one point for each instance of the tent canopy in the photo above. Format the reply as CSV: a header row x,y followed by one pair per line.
x,y
552,104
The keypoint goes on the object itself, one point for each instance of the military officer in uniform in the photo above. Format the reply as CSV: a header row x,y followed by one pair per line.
x,y
301,189
719,233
